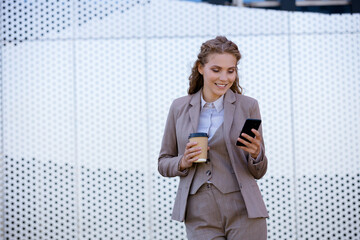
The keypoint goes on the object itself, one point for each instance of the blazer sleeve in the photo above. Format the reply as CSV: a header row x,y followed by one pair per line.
x,y
169,157
258,166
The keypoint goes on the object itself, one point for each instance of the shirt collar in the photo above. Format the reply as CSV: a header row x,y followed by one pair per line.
x,y
218,104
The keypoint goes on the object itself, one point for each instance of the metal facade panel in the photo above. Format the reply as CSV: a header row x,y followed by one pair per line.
x,y
39,140
110,19
36,20
112,138
38,106
237,21
317,23
86,88
326,105
180,19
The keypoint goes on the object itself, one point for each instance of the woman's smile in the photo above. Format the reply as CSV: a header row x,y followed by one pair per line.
x,y
221,86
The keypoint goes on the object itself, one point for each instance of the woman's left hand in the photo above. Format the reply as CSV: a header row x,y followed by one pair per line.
x,y
252,147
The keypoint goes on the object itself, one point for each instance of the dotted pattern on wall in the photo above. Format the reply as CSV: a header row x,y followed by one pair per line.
x,y
328,206
36,20
2,162
111,122
109,90
38,115
38,88
86,88
334,80
122,18
235,21
113,204
21,199
323,23
164,19
57,200
39,200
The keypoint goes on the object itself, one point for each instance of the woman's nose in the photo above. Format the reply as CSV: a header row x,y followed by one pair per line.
x,y
223,76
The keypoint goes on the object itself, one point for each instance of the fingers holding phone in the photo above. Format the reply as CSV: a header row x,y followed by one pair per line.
x,y
252,145
250,139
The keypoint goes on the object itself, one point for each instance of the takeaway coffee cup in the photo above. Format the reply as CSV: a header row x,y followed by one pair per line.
x,y
202,141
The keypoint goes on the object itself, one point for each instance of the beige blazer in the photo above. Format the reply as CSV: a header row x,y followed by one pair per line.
x,y
183,119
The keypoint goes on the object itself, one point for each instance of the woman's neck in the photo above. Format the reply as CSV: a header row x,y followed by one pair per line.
x,y
209,98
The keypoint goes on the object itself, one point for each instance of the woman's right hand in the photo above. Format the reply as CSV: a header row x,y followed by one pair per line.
x,y
191,154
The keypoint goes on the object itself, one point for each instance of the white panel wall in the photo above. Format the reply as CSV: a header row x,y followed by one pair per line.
x,y
39,144
326,130
2,169
86,88
180,19
111,138
110,19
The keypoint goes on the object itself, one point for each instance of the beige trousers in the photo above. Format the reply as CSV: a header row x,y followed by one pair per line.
x,y
212,215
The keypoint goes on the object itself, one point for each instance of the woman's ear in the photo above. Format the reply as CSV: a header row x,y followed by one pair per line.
x,y
200,68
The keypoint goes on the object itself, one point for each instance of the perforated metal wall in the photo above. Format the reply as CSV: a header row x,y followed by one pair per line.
x,y
86,87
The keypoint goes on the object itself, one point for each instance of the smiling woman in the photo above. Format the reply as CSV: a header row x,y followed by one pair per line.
x,y
218,199
219,45
219,74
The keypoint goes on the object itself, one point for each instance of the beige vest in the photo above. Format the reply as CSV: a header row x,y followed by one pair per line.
x,y
218,170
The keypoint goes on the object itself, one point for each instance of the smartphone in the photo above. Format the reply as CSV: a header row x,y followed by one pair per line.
x,y
250,123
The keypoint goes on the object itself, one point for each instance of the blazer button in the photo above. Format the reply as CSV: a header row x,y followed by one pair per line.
x,y
208,172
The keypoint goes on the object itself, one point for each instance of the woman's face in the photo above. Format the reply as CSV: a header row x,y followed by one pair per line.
x,y
219,74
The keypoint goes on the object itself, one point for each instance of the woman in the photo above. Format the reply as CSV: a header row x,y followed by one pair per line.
x,y
218,199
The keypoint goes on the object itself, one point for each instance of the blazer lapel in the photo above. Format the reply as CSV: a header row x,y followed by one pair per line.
x,y
194,110
229,110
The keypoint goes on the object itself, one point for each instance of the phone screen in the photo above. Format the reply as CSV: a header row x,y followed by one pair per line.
x,y
250,123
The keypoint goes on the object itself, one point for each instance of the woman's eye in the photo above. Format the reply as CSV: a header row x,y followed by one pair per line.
x,y
215,70
231,71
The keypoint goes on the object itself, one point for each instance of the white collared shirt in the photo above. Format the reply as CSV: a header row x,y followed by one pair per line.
x,y
211,116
